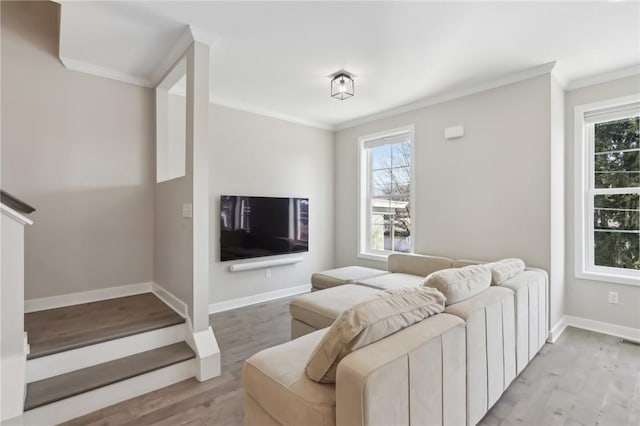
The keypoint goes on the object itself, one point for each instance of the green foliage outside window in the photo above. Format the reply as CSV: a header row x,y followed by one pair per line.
x,y
617,217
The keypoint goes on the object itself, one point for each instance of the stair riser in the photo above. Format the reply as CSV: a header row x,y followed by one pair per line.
x,y
97,399
65,362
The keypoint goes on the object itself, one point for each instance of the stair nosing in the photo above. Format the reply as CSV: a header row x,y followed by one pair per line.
x,y
90,388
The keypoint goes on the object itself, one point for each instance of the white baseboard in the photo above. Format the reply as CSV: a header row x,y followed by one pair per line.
x,y
557,330
616,330
43,303
170,299
105,396
75,359
257,298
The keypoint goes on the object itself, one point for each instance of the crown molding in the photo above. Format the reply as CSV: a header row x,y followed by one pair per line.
x,y
87,68
604,78
173,56
451,95
271,114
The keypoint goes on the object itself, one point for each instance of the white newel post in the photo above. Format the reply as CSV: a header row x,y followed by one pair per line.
x,y
13,349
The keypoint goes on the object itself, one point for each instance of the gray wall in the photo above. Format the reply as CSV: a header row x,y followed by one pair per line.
x,y
257,155
485,196
586,298
80,149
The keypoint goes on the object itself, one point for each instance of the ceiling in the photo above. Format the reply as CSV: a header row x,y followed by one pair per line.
x,y
275,57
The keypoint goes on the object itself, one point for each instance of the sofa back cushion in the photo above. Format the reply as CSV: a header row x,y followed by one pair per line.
x,y
368,321
459,263
416,264
505,269
458,284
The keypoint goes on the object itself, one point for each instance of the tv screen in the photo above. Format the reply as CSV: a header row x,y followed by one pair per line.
x,y
262,226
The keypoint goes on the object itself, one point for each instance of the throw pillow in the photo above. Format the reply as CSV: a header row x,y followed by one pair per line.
x,y
373,319
504,269
458,284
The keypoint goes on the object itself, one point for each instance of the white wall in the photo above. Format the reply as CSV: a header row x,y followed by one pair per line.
x,y
485,196
80,149
586,298
257,155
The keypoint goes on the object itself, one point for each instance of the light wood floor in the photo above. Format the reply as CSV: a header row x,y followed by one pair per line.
x,y
583,379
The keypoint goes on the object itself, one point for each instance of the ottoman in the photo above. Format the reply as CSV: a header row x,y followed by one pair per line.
x,y
317,310
339,276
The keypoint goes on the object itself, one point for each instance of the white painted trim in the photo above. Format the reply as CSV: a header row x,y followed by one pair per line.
x,y
18,217
75,359
583,183
170,299
269,113
173,56
257,298
451,95
43,303
105,396
260,264
557,330
604,78
364,228
87,68
616,330
206,347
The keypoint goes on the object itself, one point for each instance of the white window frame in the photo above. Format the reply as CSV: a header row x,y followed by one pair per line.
x,y
585,191
364,228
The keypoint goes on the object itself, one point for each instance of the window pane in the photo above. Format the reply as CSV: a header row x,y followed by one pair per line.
x,y
616,156
401,178
616,212
617,179
381,183
617,249
401,155
617,169
617,135
390,224
380,157
616,222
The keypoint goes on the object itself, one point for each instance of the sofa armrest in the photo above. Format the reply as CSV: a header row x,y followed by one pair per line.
x,y
374,385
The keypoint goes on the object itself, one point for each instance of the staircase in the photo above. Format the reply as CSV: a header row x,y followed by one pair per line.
x,y
85,357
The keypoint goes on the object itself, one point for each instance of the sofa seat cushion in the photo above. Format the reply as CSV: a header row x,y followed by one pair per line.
x,y
392,281
321,308
339,276
276,380
417,264
372,319
458,284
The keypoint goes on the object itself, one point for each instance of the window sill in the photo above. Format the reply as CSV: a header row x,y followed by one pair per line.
x,y
374,256
609,277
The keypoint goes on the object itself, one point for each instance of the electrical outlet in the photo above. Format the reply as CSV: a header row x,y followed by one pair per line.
x,y
613,297
267,273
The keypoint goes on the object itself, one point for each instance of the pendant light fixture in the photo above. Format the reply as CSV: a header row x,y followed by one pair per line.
x,y
342,85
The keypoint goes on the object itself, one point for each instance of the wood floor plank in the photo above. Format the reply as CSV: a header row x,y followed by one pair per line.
x,y
568,383
56,330
76,382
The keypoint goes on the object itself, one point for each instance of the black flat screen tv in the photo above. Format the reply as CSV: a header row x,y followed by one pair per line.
x,y
262,226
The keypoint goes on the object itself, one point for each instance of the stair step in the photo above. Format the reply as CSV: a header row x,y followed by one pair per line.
x,y
56,388
71,327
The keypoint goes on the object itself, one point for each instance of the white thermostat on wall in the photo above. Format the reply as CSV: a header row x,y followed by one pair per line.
x,y
454,132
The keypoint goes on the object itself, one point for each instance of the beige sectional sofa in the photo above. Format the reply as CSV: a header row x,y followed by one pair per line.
x,y
499,330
